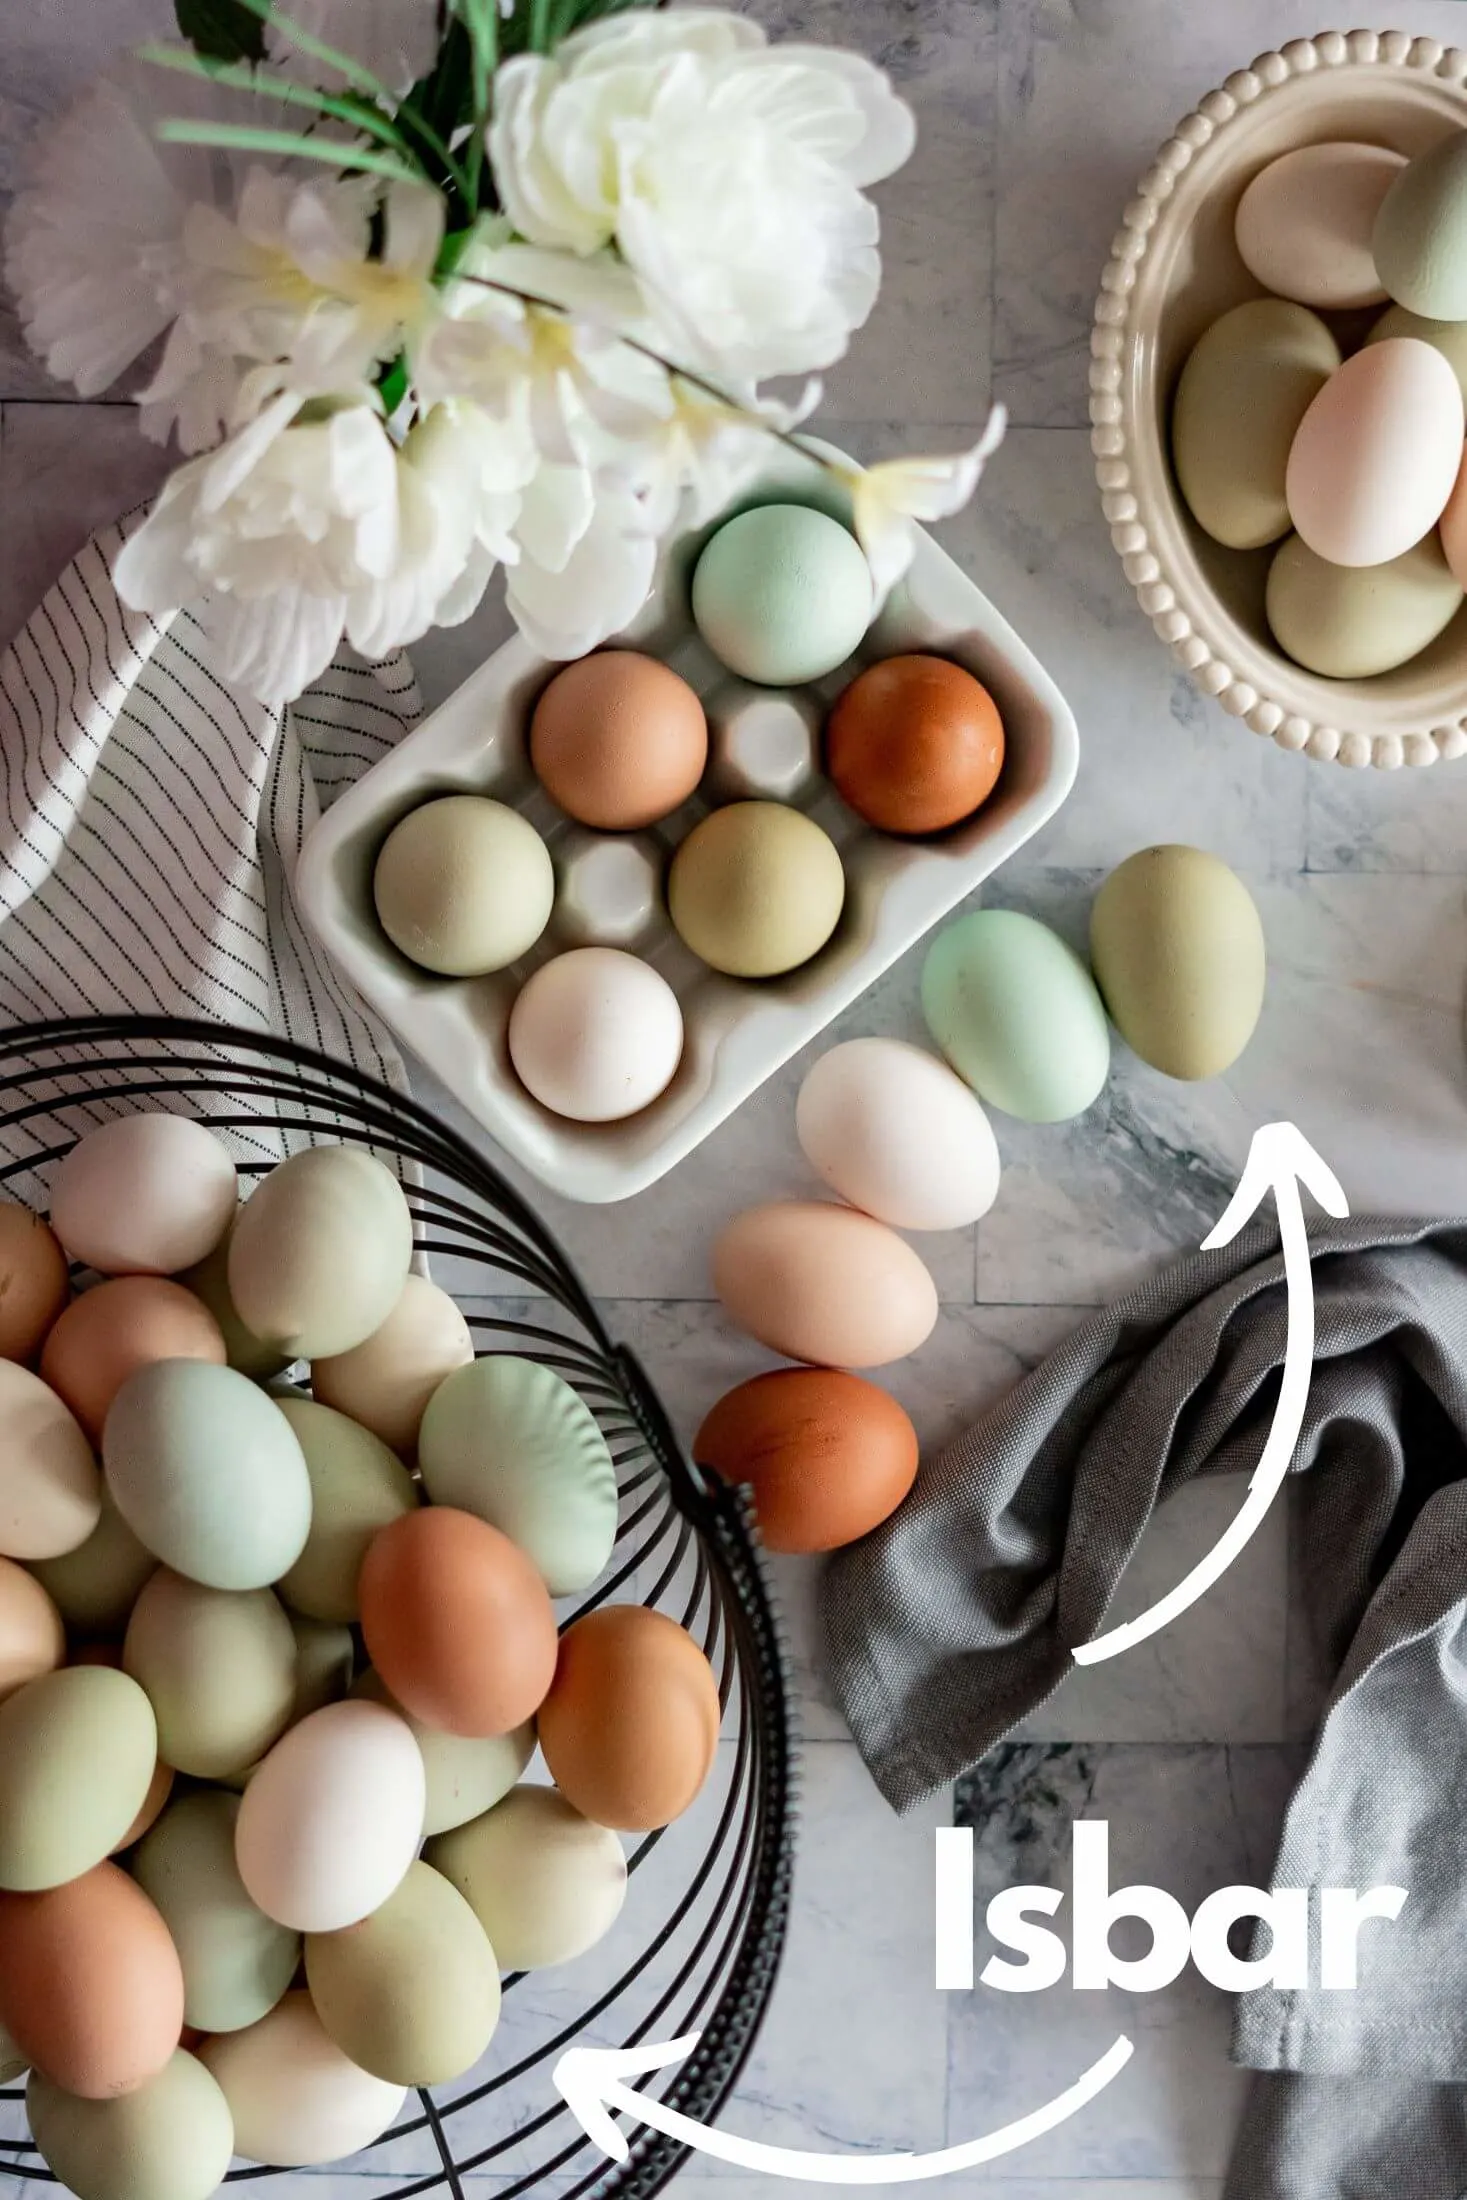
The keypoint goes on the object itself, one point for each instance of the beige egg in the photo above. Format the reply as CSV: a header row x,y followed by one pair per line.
x,y
218,1667
357,1487
96,1586
544,1882
1305,223
50,1490
144,1195
1377,453
32,1637
386,1383
296,2099
1352,622
824,1284
171,2139
466,1773
411,1993
34,1284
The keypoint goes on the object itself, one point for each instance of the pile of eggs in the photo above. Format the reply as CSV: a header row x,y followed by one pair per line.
x,y
273,1663
464,886
1311,420
1178,960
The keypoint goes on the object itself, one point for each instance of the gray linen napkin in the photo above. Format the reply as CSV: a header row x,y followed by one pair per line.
x,y
955,1620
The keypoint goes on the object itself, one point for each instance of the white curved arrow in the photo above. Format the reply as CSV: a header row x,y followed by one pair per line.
x,y
1280,1159
589,2080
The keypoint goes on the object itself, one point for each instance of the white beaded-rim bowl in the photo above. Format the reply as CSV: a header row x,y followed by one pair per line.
x,y
1174,269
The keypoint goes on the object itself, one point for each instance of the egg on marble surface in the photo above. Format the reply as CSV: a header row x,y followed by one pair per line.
x,y
823,1283
207,1472
630,1727
509,1440
384,1383
237,1963
618,740
1376,455
144,1195
90,1985
78,1750
828,1456
596,1035
321,1252
32,1636
1352,622
109,1333
218,1667
50,1490
209,1281
782,594
1247,384
1017,1014
898,1134
463,886
411,1993
332,1817
95,1586
171,2139
34,1283
466,1774
1306,223
1178,949
756,889
545,1883
1420,238
357,1487
458,1622
1448,337
295,2098
915,744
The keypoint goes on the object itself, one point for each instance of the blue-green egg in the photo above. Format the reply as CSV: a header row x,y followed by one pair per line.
x,y
782,594
236,1961
1017,1014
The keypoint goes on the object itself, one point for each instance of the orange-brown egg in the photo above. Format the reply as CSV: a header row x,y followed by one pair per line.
x,y
91,1990
915,744
457,1621
828,1456
109,1333
618,740
630,1727
34,1285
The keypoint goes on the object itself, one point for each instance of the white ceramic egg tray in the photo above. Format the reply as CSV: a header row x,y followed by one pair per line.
x,y
737,1033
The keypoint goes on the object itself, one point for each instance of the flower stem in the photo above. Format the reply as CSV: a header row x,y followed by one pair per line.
x,y
295,34
239,136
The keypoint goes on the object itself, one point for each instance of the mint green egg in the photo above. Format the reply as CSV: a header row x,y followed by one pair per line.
x,y
1017,1014
172,2139
782,594
236,1961
1421,232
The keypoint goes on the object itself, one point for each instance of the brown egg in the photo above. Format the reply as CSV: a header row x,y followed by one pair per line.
x,y
90,1985
828,1456
457,1622
32,1636
914,744
34,1285
618,740
109,1333
630,1728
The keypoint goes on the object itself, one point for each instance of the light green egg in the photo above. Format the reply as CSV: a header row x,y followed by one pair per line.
x,y
96,1586
209,1281
510,1441
1245,388
544,1882
170,2140
78,1750
1447,337
411,1994
207,1472
219,1668
1350,622
13,2063
782,594
357,1487
466,1774
320,1252
236,1962
1421,232
1017,1014
325,1656
1177,946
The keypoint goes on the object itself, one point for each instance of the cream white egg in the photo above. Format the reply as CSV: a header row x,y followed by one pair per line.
x,y
899,1135
596,1035
144,1195
295,2098
332,1818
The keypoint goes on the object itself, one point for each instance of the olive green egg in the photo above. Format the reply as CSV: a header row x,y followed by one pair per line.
x,y
325,1656
95,1586
1017,1014
1420,239
466,1774
13,2063
320,1252
209,1281
78,1750
544,1882
219,1668
1350,622
172,2139
756,889
1177,945
510,1441
357,1487
1246,386
236,1962
411,1994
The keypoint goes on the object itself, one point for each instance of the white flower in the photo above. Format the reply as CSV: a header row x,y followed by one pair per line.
x,y
729,174
889,497
396,39
586,563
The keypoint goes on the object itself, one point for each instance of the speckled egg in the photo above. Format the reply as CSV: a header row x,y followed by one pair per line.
x,y
236,1961
320,1252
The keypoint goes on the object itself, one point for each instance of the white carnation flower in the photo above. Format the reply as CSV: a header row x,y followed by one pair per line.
x,y
396,39
729,174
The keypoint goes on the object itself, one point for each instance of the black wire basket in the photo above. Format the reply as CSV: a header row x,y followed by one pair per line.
x,y
697,1947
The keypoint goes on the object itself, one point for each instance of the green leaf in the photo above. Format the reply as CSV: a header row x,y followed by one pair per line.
x,y
239,137
239,76
393,387
225,30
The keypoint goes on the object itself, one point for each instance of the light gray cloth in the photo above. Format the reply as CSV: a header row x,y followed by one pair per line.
x,y
955,1620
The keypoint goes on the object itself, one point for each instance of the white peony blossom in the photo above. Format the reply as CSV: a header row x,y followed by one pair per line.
x,y
585,566
728,173
397,40
887,498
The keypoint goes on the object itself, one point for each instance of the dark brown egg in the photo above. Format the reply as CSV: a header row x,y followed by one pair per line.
x,y
827,1455
915,744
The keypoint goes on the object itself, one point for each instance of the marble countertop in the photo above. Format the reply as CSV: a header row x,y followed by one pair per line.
x,y
1036,117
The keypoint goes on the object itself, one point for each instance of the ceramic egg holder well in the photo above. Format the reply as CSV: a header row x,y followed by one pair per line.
x,y
737,1032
